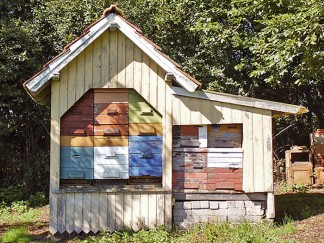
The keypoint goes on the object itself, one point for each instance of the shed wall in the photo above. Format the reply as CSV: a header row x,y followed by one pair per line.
x,y
98,211
111,61
257,134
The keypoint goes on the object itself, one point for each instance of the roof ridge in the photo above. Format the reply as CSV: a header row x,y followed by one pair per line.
x,y
113,8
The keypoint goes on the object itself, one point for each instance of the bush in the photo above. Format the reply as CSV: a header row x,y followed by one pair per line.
x,y
12,193
38,200
19,206
300,188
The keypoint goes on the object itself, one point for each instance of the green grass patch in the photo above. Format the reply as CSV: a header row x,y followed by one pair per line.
x,y
208,232
16,235
299,206
10,216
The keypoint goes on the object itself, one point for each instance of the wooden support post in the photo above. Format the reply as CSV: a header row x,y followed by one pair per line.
x,y
270,213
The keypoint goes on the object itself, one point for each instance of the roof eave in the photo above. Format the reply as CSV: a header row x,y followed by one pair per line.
x,y
41,80
277,108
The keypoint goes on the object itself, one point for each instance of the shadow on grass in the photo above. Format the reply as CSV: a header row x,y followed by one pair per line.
x,y
298,206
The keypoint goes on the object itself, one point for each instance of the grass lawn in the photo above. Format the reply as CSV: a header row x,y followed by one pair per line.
x,y
304,223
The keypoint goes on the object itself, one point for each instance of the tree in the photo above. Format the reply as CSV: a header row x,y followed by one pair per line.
x,y
265,49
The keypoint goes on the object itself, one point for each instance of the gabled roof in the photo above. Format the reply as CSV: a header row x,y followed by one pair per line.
x,y
277,108
39,85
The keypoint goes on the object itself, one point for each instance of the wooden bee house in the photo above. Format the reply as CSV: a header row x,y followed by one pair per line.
x,y
136,143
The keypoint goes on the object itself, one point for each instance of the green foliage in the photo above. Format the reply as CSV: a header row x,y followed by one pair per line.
x,y
284,187
208,232
19,235
37,200
24,125
20,213
300,188
12,194
19,206
270,50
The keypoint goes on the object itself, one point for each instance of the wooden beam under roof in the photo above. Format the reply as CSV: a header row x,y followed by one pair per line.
x,y
277,107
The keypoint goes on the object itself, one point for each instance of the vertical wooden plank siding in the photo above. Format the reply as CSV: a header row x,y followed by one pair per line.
x,y
111,211
113,60
153,84
206,112
160,210
129,65
167,157
127,210
61,204
95,212
119,210
257,134
103,216
267,151
217,114
195,114
69,216
103,65
63,102
80,86
54,154
270,213
145,206
152,213
88,68
168,213
71,83
121,81
96,62
258,152
160,91
145,81
176,110
185,112
248,168
137,79
104,59
86,212
136,211
78,212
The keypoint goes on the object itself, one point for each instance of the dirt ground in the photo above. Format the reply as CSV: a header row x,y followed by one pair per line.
x,y
309,230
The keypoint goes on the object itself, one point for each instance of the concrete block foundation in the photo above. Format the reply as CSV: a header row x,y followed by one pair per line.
x,y
187,213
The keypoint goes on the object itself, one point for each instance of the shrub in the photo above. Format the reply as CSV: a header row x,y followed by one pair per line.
x,y
38,200
11,194
19,206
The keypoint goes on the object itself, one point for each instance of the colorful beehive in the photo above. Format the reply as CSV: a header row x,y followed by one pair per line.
x,y
111,134
136,142
204,157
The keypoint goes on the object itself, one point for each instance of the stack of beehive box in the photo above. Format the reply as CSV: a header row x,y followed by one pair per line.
x,y
207,157
111,134
77,140
145,140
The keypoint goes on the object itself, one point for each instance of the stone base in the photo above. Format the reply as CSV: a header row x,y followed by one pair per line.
x,y
187,213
